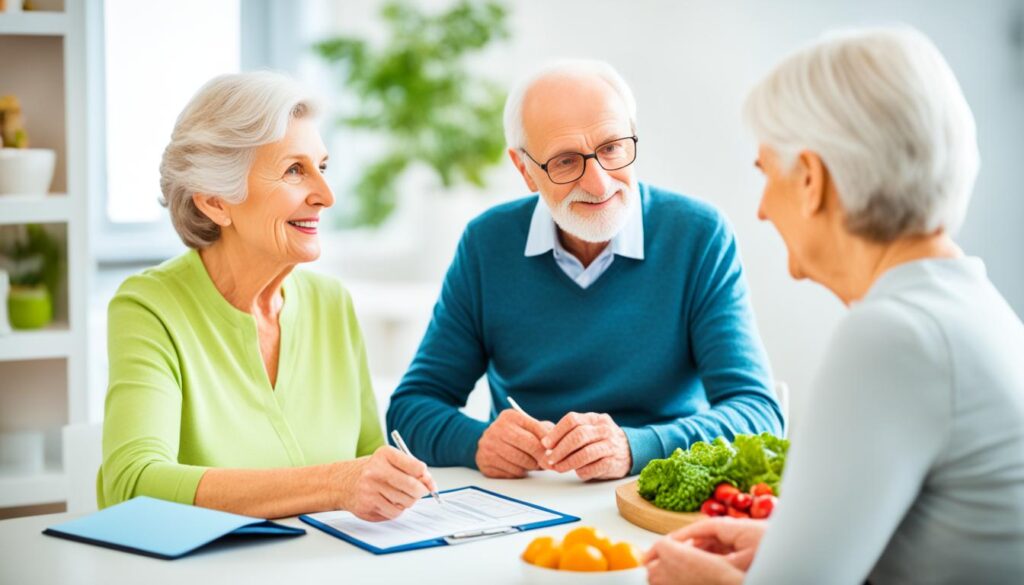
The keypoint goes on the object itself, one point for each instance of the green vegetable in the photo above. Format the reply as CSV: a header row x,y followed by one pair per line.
x,y
684,480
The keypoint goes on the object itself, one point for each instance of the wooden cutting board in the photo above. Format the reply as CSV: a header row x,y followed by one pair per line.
x,y
633,507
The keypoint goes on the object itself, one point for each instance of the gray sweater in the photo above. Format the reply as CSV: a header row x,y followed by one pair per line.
x,y
908,466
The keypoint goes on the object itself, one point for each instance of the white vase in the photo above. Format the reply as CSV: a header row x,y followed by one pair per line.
x,y
26,171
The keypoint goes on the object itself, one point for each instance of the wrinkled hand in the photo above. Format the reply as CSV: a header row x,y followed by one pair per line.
x,y
510,447
383,485
590,444
716,550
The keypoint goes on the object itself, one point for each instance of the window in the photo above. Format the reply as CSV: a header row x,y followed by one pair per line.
x,y
156,55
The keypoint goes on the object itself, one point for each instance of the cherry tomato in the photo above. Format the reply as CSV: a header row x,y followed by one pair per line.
x,y
742,501
737,513
725,491
762,506
712,507
761,489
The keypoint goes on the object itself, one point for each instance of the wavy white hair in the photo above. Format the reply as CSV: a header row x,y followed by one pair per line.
x,y
515,132
885,113
214,143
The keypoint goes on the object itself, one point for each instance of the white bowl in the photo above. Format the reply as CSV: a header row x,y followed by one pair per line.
x,y
26,171
542,576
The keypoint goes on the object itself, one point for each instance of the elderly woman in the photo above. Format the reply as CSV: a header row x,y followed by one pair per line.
x,y
909,464
237,382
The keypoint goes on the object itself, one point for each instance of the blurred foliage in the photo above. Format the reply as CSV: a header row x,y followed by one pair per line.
x,y
32,256
417,92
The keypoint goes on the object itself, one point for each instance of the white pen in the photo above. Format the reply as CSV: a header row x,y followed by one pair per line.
x,y
515,405
405,449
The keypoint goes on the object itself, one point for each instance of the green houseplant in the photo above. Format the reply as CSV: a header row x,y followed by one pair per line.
x,y
33,263
417,92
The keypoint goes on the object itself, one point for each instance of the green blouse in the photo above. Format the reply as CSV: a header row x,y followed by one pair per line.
x,y
189,391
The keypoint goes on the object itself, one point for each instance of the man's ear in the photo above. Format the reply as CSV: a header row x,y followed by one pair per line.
x,y
521,167
813,181
212,207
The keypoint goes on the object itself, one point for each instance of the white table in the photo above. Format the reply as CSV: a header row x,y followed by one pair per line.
x,y
28,556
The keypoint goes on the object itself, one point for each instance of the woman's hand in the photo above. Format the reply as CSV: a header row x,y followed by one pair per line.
x,y
383,485
717,550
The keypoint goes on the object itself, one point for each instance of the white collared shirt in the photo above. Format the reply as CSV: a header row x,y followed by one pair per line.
x,y
543,236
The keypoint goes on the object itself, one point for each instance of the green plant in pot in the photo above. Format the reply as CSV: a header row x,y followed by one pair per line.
x,y
32,262
417,93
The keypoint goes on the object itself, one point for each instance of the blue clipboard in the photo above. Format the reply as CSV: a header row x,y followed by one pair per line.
x,y
561,519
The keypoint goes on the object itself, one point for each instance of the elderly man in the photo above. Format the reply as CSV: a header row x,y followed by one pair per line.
x,y
615,308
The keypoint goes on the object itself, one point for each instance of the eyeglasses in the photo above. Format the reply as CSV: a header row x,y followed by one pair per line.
x,y
570,166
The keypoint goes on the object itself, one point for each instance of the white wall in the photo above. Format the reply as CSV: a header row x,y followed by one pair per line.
x,y
690,64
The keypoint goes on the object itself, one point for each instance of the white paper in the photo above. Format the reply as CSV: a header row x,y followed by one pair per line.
x,y
463,510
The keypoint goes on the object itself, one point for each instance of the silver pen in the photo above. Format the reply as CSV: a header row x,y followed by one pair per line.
x,y
484,532
405,449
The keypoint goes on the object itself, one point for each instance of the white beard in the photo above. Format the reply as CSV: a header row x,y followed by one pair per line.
x,y
601,226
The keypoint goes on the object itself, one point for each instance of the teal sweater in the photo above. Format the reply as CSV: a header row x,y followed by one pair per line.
x,y
666,345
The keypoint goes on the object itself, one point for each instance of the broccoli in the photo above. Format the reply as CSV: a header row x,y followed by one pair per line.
x,y
674,484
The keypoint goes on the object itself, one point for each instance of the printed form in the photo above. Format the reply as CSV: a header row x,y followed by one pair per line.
x,y
464,510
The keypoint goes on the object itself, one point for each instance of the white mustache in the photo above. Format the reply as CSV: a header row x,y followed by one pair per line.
x,y
581,195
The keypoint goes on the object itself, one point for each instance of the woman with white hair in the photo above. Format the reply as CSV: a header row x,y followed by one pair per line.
x,y
909,463
236,381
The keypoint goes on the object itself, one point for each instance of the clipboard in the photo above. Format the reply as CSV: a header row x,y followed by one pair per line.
x,y
451,539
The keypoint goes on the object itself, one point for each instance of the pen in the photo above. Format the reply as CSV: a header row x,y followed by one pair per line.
x,y
516,406
484,532
405,449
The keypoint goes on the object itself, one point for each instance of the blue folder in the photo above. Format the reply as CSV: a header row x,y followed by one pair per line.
x,y
561,519
162,529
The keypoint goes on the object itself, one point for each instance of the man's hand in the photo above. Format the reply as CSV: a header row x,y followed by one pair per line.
x,y
590,444
510,447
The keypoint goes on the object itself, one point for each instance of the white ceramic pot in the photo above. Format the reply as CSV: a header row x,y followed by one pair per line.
x,y
26,171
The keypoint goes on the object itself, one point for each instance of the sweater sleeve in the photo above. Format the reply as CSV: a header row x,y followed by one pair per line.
x,y
142,424
729,357
450,360
881,416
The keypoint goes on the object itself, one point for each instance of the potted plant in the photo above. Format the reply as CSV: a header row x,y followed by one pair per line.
x,y
417,93
23,170
32,261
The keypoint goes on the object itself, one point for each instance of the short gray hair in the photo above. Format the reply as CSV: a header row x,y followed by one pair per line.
x,y
515,132
214,143
885,113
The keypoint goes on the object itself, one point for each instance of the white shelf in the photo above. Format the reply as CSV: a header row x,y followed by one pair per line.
x,y
53,208
54,341
53,24
50,74
18,489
